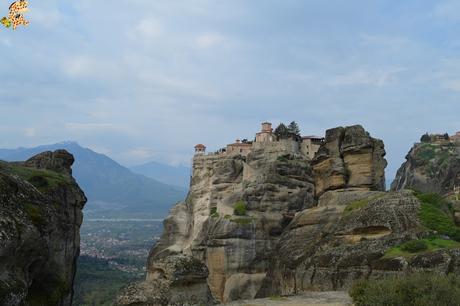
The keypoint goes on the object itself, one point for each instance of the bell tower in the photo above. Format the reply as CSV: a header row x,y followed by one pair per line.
x,y
200,149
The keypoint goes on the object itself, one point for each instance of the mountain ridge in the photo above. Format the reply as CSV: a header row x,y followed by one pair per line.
x,y
112,189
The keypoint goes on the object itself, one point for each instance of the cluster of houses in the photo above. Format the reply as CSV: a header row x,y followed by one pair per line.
x,y
308,145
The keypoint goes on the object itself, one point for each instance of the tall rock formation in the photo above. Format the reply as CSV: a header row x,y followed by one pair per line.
x,y
430,167
349,158
255,226
227,227
40,217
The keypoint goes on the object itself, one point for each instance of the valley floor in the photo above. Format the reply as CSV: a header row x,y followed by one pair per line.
x,y
329,298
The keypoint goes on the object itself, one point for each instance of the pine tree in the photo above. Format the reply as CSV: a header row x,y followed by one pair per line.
x,y
294,130
282,131
425,138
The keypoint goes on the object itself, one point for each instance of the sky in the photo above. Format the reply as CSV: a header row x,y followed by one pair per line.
x,y
144,80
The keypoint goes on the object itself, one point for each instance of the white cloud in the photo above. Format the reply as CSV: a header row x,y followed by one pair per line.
x,y
78,66
448,74
90,126
82,66
138,154
48,17
367,76
209,40
448,10
147,28
6,42
174,85
452,85
389,42
30,132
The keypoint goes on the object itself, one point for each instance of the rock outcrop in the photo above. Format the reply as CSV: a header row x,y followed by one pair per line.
x,y
234,244
40,217
333,244
349,158
256,227
430,167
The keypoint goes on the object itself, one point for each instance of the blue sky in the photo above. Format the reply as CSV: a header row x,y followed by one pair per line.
x,y
146,80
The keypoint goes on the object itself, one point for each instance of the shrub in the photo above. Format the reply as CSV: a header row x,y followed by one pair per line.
x,y
283,158
429,244
214,212
239,209
35,213
414,246
358,204
412,290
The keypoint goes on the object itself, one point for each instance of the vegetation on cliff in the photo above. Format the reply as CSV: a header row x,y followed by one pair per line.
x,y
44,180
414,247
240,208
437,214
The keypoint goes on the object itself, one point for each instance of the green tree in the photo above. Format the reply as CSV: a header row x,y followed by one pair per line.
x,y
294,130
446,136
282,131
425,138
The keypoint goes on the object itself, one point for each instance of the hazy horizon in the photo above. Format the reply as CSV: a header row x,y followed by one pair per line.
x,y
146,80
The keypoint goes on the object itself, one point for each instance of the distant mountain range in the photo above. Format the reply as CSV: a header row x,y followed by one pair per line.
x,y
171,175
113,190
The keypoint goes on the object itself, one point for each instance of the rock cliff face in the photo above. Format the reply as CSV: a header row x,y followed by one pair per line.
x,y
231,248
430,167
256,226
349,158
332,244
40,217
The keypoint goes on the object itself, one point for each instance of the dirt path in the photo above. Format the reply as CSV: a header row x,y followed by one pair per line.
x,y
328,298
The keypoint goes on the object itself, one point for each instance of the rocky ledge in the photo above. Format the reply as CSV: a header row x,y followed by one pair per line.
x,y
40,217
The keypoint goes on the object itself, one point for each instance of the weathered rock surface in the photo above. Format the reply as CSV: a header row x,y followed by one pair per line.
x,y
430,167
332,245
236,250
349,158
175,280
40,216
288,242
